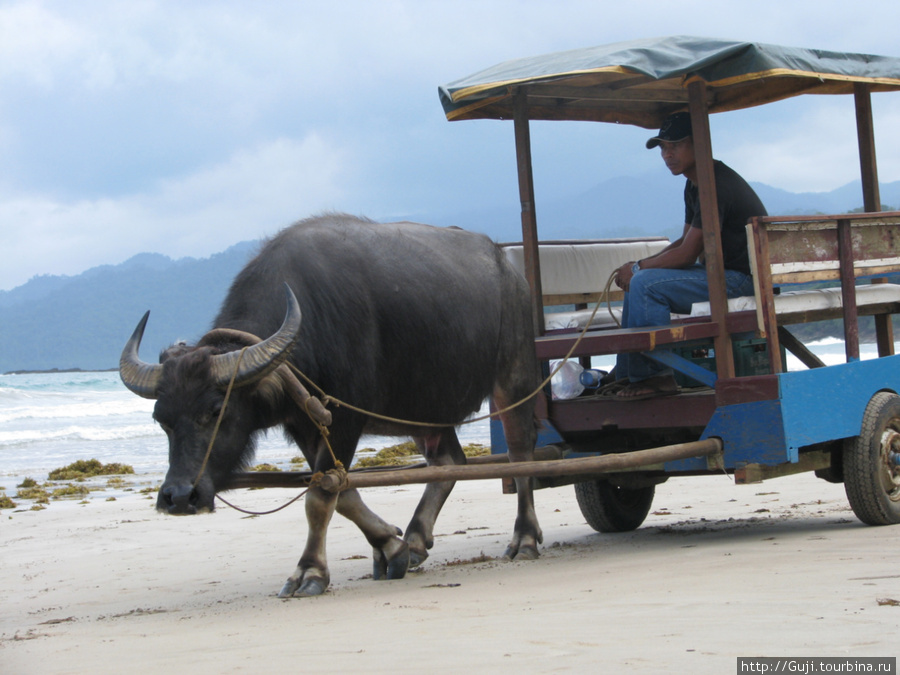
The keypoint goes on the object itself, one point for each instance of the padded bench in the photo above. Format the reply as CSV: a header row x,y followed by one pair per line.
x,y
810,302
575,273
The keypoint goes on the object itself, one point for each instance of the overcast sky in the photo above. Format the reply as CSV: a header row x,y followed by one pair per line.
x,y
185,126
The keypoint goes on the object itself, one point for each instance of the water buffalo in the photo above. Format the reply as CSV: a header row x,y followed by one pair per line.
x,y
406,320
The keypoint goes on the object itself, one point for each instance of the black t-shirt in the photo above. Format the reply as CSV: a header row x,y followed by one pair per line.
x,y
737,204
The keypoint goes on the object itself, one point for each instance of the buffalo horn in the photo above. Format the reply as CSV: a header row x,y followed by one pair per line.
x,y
140,377
261,359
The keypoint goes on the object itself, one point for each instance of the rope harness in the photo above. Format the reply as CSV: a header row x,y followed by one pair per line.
x,y
339,471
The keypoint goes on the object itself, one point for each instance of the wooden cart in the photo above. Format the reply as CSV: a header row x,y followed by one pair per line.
x,y
754,422
841,421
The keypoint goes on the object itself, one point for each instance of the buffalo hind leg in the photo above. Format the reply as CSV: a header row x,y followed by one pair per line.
x,y
438,449
520,432
311,576
390,554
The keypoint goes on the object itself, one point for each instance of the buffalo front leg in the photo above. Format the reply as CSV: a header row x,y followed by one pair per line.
x,y
311,576
390,554
519,429
438,450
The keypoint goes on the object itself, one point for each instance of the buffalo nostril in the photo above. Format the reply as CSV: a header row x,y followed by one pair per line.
x,y
178,499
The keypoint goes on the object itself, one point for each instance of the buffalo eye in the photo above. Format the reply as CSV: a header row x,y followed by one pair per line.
x,y
211,415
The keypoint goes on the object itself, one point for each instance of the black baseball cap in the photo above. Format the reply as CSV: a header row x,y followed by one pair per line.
x,y
676,127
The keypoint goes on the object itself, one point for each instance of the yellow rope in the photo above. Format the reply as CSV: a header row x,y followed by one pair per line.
x,y
261,513
326,398
215,432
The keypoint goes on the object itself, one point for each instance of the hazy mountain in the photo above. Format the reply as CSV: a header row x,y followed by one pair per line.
x,y
83,321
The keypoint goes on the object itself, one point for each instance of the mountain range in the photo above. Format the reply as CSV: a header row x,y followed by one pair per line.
x,y
83,321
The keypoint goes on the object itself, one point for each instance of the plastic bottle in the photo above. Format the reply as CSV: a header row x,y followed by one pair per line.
x,y
565,383
592,378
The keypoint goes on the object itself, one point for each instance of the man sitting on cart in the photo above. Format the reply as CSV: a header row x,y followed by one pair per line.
x,y
675,278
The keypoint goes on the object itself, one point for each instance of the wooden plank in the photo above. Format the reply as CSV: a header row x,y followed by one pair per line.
x,y
594,413
756,473
556,346
798,349
747,389
580,298
814,247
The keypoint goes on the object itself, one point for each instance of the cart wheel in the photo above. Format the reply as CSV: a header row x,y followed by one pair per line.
x,y
872,463
608,508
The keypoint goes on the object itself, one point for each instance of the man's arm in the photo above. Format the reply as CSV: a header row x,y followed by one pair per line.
x,y
674,244
681,253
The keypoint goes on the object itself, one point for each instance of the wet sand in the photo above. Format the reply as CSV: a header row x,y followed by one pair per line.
x,y
781,568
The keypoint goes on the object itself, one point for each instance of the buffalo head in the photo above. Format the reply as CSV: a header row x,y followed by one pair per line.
x,y
189,386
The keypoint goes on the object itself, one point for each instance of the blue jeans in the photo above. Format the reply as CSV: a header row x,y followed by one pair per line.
x,y
656,293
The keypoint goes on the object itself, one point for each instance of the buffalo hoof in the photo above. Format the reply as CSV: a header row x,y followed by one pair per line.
x,y
311,587
303,588
287,591
522,553
417,557
394,567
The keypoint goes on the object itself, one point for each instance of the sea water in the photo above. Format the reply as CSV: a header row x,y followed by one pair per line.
x,y
49,420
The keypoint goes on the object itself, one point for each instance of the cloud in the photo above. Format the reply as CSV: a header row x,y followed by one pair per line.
x,y
251,195
806,145
35,44
181,127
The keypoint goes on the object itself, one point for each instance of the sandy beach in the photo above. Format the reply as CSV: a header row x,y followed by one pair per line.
x,y
781,568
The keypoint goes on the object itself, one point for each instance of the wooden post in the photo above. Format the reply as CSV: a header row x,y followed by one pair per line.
x,y
529,219
865,132
767,321
848,290
712,234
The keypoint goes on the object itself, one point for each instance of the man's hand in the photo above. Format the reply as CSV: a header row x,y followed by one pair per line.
x,y
623,276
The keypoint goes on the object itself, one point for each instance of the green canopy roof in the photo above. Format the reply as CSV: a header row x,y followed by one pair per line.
x,y
641,81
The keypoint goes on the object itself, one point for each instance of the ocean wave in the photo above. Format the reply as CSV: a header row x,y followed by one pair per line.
x,y
44,410
79,433
826,342
14,394
63,382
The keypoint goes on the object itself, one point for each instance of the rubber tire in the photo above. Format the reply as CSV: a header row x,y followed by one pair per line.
x,y
873,488
608,508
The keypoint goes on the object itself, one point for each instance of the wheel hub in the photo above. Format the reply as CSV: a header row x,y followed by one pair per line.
x,y
890,446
